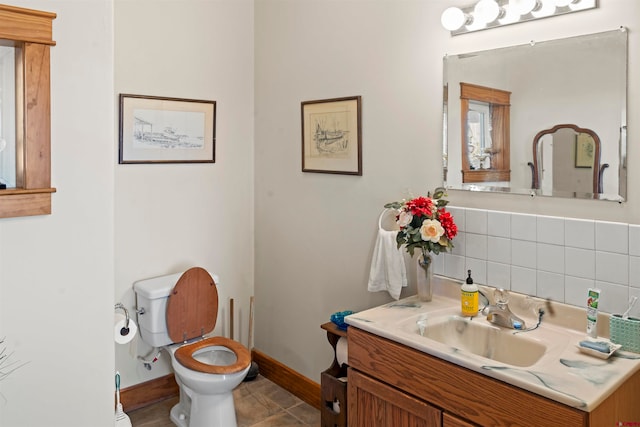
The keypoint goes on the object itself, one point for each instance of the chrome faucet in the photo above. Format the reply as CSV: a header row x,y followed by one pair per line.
x,y
499,313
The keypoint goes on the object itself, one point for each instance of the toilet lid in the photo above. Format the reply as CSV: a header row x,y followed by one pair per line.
x,y
184,355
192,306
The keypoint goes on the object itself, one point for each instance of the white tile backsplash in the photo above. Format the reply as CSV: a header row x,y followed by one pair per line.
x,y
499,275
550,229
499,224
550,285
612,237
612,268
523,280
523,227
575,290
613,298
634,272
549,257
580,233
523,253
499,249
634,240
476,221
580,263
476,246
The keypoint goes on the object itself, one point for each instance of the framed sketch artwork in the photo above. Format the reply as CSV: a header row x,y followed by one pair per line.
x,y
154,129
331,136
584,150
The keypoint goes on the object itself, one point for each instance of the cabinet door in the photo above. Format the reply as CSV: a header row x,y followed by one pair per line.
x,y
375,404
449,420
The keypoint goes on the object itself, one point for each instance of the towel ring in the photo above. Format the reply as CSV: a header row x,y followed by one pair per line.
x,y
388,216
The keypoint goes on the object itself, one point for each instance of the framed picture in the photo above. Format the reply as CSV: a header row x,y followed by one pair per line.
x,y
584,150
332,136
154,129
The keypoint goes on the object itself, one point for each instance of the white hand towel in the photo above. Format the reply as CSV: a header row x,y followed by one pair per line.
x,y
387,271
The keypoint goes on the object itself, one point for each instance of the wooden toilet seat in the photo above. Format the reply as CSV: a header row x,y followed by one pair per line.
x,y
192,309
184,355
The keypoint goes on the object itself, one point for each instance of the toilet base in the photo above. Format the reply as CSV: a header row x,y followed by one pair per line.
x,y
204,411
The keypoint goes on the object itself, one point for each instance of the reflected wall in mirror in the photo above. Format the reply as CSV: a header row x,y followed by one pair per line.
x,y
8,115
581,80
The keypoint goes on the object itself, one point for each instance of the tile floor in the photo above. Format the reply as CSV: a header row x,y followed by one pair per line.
x,y
259,403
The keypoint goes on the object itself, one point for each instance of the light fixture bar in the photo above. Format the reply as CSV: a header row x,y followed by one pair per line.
x,y
507,12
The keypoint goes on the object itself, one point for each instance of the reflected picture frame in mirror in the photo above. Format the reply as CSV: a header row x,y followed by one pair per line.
x,y
579,80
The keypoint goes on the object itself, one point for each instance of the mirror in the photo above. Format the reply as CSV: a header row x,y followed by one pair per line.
x,y
566,160
579,80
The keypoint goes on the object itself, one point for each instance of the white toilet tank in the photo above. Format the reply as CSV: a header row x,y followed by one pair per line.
x,y
152,295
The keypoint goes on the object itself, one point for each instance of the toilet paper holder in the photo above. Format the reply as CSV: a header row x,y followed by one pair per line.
x,y
125,330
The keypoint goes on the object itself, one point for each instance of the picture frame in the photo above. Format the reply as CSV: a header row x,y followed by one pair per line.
x,y
156,129
585,147
332,136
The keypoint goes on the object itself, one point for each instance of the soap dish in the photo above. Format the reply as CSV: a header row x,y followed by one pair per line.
x,y
599,354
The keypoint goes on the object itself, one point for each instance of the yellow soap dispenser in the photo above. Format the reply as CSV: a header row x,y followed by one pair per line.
x,y
469,297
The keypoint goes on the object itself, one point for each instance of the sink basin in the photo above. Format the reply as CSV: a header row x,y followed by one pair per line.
x,y
483,339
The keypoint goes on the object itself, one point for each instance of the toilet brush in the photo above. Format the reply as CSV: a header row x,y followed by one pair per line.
x,y
254,370
122,419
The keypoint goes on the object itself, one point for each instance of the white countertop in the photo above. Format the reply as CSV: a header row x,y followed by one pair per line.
x,y
563,373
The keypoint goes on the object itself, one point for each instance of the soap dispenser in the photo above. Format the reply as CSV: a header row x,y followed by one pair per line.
x,y
469,297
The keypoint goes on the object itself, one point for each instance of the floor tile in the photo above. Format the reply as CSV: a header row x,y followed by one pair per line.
x,y
259,403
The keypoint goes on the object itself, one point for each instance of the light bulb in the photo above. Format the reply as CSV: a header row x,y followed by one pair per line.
x,y
547,8
453,18
486,11
510,16
524,7
563,3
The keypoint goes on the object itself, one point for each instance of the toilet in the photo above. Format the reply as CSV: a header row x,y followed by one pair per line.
x,y
176,312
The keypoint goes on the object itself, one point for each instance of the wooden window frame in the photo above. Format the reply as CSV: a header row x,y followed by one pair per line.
x,y
500,134
31,30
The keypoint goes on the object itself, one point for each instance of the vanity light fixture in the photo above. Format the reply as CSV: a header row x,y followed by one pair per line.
x,y
496,13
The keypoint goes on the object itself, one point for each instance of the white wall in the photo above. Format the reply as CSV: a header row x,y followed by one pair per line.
x,y
56,271
315,232
172,217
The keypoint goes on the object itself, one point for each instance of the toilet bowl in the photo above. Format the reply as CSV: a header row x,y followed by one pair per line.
x,y
175,313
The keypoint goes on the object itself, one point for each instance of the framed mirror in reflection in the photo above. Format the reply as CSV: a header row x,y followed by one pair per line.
x,y
498,102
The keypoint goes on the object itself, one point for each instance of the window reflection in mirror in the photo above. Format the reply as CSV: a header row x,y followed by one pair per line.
x,y
485,134
8,116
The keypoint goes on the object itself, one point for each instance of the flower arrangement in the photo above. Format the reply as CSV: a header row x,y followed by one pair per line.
x,y
425,223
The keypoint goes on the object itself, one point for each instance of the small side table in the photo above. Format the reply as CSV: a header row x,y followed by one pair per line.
x,y
333,384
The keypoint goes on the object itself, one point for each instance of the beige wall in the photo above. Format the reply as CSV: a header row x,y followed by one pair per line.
x,y
172,217
315,232
56,271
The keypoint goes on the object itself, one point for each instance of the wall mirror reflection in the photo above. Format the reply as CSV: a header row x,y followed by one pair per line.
x,y
489,143
8,116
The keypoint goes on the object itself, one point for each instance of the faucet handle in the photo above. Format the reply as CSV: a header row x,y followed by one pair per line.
x,y
501,296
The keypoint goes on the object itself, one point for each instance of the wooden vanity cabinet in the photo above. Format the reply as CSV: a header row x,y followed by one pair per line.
x,y
392,385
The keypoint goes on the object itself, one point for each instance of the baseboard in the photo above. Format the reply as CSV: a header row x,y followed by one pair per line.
x,y
156,390
292,381
148,392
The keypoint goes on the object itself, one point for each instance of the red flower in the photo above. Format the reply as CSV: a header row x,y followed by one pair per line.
x,y
420,206
446,220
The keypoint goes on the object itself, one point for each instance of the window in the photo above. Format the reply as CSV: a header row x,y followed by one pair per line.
x,y
28,182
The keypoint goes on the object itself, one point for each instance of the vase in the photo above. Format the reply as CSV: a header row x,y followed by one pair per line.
x,y
424,274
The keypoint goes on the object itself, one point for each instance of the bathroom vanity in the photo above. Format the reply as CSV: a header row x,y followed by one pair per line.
x,y
397,377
